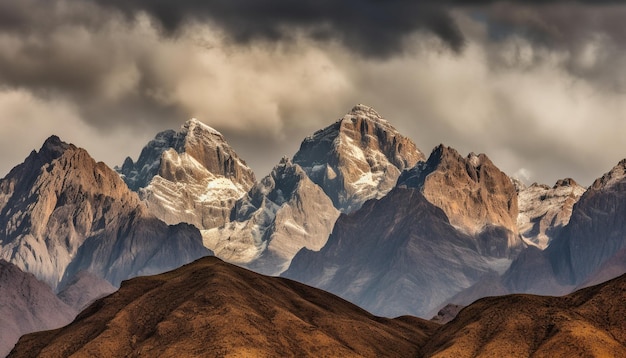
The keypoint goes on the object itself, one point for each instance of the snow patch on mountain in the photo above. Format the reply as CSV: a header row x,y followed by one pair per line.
x,y
280,215
190,176
357,158
544,210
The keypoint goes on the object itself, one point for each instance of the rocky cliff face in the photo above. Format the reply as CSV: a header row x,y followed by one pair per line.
x,y
596,230
544,210
27,305
398,255
190,176
61,212
477,197
283,213
589,245
357,158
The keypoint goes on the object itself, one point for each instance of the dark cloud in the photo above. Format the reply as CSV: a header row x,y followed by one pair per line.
x,y
590,36
526,83
372,27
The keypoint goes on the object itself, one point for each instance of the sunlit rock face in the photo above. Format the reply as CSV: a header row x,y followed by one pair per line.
x,y
63,213
357,158
283,213
190,176
478,198
544,210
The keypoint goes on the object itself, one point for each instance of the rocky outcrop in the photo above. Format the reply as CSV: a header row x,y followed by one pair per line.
x,y
190,176
477,197
211,309
397,255
589,245
283,213
447,313
61,212
544,210
27,305
357,158
596,230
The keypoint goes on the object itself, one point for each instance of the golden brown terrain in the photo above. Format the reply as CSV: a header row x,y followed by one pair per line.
x,y
213,309
588,323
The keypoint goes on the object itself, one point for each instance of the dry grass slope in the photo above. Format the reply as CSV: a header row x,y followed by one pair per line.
x,y
210,308
213,309
587,323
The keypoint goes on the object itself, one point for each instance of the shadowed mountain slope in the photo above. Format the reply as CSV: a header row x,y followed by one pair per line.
x,y
27,305
589,245
62,212
397,255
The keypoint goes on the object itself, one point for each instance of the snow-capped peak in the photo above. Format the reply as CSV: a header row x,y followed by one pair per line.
x,y
361,111
194,124
191,176
474,159
357,158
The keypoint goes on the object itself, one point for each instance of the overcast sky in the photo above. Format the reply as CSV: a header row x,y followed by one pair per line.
x,y
538,86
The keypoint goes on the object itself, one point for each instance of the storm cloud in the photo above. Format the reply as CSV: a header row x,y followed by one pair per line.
x,y
371,27
538,86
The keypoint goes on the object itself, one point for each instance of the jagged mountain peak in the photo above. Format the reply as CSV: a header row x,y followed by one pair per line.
x,y
567,182
282,213
53,147
357,158
206,146
442,159
545,210
193,126
287,174
191,175
366,112
615,176
55,214
478,198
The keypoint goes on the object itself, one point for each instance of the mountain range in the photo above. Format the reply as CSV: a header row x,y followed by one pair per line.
x,y
358,211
